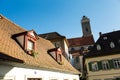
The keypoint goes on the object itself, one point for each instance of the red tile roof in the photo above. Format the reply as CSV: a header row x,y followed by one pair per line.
x,y
81,41
10,48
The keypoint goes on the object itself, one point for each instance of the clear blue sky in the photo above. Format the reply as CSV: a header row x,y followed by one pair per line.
x,y
63,16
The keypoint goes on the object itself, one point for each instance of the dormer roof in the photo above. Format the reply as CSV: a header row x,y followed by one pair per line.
x,y
31,33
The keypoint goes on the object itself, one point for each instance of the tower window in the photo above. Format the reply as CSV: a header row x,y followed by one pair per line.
x,y
86,29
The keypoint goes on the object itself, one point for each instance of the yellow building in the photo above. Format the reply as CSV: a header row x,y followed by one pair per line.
x,y
103,61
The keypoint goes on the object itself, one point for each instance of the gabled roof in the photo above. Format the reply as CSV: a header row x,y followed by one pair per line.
x,y
104,42
81,41
12,51
51,36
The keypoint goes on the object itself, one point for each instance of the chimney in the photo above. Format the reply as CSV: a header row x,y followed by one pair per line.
x,y
100,33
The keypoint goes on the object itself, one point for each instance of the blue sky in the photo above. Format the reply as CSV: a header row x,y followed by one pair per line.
x,y
63,16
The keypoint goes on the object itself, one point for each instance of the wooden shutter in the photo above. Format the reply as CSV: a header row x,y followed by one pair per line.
x,y
111,64
99,65
90,66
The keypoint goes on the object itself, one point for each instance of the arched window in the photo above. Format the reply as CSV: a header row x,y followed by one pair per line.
x,y
119,41
98,47
112,45
82,48
89,47
72,49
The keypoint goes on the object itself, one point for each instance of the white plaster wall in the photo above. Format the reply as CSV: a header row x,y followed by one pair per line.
x,y
17,73
66,48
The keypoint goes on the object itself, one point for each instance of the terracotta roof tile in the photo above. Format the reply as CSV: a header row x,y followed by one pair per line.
x,y
9,47
81,41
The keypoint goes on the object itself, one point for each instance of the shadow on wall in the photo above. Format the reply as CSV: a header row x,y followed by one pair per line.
x,y
6,64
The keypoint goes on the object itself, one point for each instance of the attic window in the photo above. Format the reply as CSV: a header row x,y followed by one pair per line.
x,y
119,41
112,45
56,54
30,45
27,40
105,38
98,47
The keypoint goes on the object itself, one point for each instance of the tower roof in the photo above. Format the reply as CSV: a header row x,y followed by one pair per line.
x,y
85,19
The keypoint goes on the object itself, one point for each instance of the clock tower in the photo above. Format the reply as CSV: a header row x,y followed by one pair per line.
x,y
86,29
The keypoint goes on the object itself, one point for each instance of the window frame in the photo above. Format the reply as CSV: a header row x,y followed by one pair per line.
x,y
116,63
29,46
112,45
105,65
98,47
94,66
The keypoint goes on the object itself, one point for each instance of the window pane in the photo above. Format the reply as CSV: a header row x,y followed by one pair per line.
x,y
116,63
105,65
59,57
30,45
94,66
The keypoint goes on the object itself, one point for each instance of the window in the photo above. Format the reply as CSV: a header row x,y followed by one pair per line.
x,y
119,41
94,66
112,45
34,79
105,65
90,47
30,45
98,47
82,48
59,58
105,38
77,59
56,44
72,49
86,29
116,63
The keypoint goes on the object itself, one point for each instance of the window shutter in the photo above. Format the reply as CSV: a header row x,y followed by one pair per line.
x,y
99,65
90,66
111,64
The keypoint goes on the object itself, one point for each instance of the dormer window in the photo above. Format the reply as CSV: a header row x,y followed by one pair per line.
x,y
27,40
112,45
98,47
119,41
30,45
56,54
105,38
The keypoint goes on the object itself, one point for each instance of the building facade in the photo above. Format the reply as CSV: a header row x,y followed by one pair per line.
x,y
26,56
81,45
103,60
